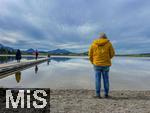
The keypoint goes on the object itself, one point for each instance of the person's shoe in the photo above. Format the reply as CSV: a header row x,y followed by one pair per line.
x,y
107,96
97,97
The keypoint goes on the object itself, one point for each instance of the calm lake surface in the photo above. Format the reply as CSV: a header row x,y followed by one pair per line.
x,y
9,59
77,73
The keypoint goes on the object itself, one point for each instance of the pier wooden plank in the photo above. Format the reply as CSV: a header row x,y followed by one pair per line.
x,y
10,67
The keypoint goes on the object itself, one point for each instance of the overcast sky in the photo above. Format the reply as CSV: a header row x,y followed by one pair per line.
x,y
74,24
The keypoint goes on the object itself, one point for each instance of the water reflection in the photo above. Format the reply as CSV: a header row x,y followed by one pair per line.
x,y
61,59
18,76
48,61
36,69
7,59
77,73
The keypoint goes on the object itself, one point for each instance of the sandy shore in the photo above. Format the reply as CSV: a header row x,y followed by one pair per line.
x,y
82,101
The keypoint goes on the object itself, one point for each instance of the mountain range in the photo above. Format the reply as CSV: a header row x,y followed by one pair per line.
x,y
31,50
60,51
10,50
56,51
5,47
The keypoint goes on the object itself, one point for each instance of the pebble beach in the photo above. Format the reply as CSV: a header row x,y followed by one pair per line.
x,y
82,101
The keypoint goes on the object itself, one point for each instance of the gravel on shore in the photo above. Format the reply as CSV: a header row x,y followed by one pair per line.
x,y
82,101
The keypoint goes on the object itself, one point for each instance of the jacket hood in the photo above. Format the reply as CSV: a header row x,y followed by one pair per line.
x,y
101,41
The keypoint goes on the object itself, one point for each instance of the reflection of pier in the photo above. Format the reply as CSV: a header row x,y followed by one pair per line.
x,y
11,68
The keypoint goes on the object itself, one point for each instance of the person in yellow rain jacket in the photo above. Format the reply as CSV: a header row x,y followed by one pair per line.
x,y
100,54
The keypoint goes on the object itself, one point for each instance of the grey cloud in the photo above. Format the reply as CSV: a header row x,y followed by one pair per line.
x,y
62,23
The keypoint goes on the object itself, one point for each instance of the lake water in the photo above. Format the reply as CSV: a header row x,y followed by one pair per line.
x,y
9,59
77,73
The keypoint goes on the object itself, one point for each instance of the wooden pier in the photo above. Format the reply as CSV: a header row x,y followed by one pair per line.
x,y
10,68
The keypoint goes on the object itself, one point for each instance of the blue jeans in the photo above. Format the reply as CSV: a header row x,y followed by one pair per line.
x,y
104,72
